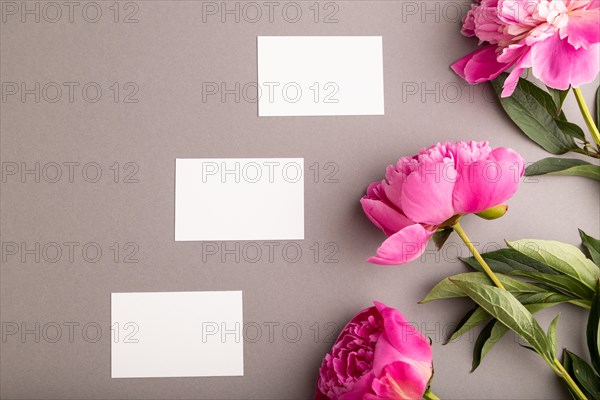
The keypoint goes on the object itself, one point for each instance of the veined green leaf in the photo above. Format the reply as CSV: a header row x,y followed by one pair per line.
x,y
505,261
564,166
592,245
562,257
445,289
503,306
549,298
533,111
561,282
533,302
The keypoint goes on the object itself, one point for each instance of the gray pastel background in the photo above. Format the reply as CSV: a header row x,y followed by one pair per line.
x,y
292,308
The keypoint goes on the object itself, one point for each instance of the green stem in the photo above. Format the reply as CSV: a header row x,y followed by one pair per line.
x,y
587,116
429,395
586,151
459,230
562,372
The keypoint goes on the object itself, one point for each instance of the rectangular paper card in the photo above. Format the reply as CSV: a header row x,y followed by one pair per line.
x,y
176,334
239,199
320,75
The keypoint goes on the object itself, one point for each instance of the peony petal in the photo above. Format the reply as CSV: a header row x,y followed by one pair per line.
x,y
384,217
518,13
400,380
480,66
427,193
583,27
559,65
510,84
404,246
468,28
319,395
404,337
487,183
504,154
585,68
359,389
392,185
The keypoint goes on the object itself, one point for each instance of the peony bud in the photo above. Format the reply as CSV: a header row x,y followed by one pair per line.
x,y
493,212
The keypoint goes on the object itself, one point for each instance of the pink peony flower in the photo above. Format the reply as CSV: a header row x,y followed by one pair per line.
x,y
378,355
557,39
421,193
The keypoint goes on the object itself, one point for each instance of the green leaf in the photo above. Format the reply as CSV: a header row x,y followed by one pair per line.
x,y
587,304
445,289
587,171
564,166
498,332
558,96
440,237
505,261
568,365
583,374
571,129
509,311
484,336
539,95
593,330
552,333
562,257
592,245
533,302
534,111
472,319
561,282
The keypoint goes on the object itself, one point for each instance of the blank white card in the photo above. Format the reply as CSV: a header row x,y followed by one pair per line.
x,y
239,199
176,334
320,75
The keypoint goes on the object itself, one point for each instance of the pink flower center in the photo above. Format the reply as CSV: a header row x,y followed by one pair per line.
x,y
351,357
554,13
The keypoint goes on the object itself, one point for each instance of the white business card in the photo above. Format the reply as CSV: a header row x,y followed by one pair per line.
x,y
176,334
320,75
239,199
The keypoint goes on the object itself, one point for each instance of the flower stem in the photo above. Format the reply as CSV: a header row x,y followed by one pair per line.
x,y
429,395
459,230
587,116
562,372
